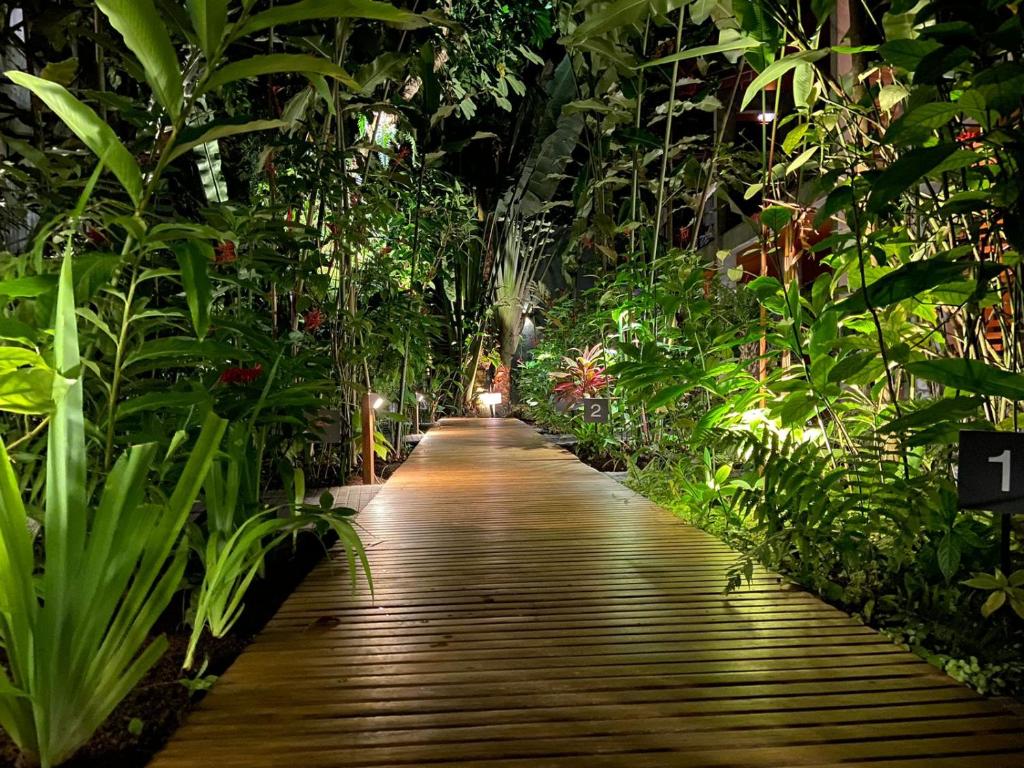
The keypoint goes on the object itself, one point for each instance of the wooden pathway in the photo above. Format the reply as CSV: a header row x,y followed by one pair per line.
x,y
531,613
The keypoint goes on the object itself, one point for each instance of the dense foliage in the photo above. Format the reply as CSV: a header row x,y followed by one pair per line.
x,y
787,250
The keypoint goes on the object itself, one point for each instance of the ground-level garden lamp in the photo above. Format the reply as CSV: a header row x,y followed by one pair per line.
x,y
372,402
490,399
421,401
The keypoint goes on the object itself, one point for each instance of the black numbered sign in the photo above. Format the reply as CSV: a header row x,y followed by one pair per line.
x,y
991,471
595,410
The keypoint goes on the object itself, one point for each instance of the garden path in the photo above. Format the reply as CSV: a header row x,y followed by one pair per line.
x,y
532,613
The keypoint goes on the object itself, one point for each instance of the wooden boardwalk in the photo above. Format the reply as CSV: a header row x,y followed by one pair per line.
x,y
531,613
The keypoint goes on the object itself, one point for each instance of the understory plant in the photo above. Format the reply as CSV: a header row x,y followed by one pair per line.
x,y
78,640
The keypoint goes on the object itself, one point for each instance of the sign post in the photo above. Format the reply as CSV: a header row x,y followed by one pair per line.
x,y
990,476
595,410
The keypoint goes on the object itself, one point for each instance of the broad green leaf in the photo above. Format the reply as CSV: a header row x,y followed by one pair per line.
x,y
27,287
146,35
822,9
803,85
739,44
914,165
777,70
27,391
330,9
276,63
983,581
159,401
776,217
794,137
912,279
907,54
949,555
798,162
209,17
88,127
851,365
918,124
891,95
384,67
942,410
15,330
994,603
970,376
609,17
61,72
222,131
194,258
185,351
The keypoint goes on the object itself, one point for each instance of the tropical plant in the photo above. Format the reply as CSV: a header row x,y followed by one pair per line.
x,y
79,644
583,375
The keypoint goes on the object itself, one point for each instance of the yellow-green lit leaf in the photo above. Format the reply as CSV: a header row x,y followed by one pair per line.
x,y
739,44
27,391
194,258
146,35
277,63
777,70
223,131
970,376
306,10
994,603
209,17
61,72
87,126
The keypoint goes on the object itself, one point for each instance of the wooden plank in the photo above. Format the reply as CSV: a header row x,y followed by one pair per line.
x,y
531,613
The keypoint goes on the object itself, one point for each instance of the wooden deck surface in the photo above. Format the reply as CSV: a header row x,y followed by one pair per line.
x,y
531,613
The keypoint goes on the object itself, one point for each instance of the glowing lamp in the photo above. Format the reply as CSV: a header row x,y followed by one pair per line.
x,y
491,398
376,401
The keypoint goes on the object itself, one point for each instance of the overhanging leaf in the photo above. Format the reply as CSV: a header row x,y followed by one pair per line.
x,y
776,70
276,63
87,126
146,35
970,376
911,279
331,9
194,258
223,131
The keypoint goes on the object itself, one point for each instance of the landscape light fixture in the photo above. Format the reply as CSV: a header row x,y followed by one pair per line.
x,y
372,402
765,117
491,399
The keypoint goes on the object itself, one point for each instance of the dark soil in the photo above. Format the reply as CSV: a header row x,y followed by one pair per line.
x,y
161,702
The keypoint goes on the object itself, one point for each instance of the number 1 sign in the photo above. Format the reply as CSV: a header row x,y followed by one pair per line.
x,y
991,471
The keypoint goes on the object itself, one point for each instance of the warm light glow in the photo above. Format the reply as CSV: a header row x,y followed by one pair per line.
x,y
765,117
490,398
377,401
420,398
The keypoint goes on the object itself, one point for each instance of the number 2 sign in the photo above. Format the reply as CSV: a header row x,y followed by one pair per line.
x,y
991,471
595,410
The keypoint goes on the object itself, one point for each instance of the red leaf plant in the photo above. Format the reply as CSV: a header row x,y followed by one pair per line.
x,y
583,376
241,375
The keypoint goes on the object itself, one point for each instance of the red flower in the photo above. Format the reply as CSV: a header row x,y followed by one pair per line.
x,y
403,153
314,319
225,253
386,250
96,237
241,375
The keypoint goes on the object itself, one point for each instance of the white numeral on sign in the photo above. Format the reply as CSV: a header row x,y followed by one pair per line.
x,y
1004,459
595,410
